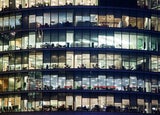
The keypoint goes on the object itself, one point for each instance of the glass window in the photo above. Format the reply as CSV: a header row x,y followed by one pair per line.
x,y
61,82
102,39
158,63
125,62
78,81
69,59
12,45
39,39
54,18
5,63
140,23
125,21
62,59
140,84
110,61
102,19
18,83
154,43
140,102
158,23
46,82
12,22
32,39
94,39
18,21
125,83
54,38
94,82
118,40
1,63
93,2
18,4
85,102
110,100
94,61
69,102
32,61
70,17
102,60
133,83
39,60
110,20
54,60
1,23
1,45
47,19
62,38
133,62
32,3
146,42
101,81
85,83
132,22
154,63
32,21
62,2
140,42
94,18
78,19
78,60
118,83
118,20
69,81
39,20
5,41
125,40
25,61
132,41
62,17
69,38
4,84
86,39
110,40
12,62
24,3
78,101
11,84
54,81
147,85
18,62
86,17
25,41
18,42
78,38
78,2
146,23
118,61
125,102
39,3
54,2
86,60
46,2
5,3
110,81
46,37
69,2
154,23
6,23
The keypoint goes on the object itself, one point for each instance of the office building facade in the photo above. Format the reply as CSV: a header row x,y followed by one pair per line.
x,y
80,56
